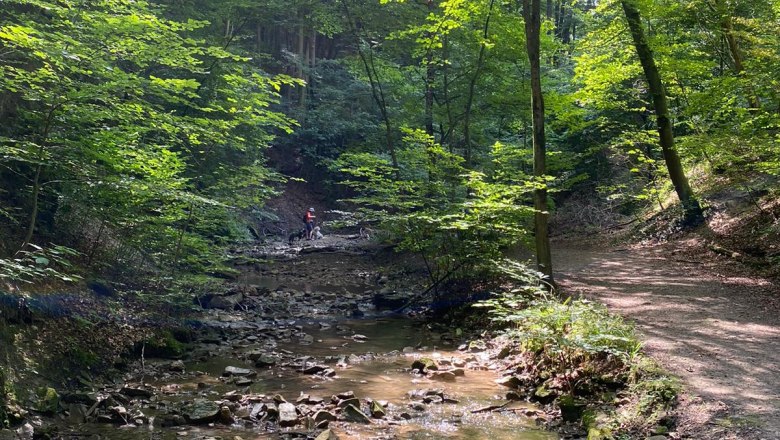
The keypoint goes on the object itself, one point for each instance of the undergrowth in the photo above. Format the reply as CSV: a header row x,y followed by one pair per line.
x,y
574,350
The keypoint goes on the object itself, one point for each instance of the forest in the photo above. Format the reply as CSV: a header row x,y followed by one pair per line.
x,y
565,191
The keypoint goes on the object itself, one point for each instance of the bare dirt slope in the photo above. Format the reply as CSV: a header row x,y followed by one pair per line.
x,y
719,332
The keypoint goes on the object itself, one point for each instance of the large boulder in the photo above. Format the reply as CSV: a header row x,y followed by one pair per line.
x,y
288,415
225,302
202,411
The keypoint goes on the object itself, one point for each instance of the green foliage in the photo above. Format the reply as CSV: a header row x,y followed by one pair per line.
x,y
724,113
573,327
459,221
571,338
119,116
39,264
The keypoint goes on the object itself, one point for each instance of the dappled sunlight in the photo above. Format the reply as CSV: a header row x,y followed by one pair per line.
x,y
715,332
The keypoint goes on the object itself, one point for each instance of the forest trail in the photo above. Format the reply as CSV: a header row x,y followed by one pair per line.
x,y
718,332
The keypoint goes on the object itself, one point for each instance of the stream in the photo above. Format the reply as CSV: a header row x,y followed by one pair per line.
x,y
306,350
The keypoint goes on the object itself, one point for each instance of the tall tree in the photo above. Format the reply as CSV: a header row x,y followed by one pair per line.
x,y
532,15
691,206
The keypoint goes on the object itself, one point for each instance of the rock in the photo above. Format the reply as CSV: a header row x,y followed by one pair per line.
x,y
509,381
478,345
25,431
314,369
288,415
458,363
265,360
243,381
120,398
345,395
444,376
238,371
351,401
139,417
15,413
417,406
388,299
327,435
433,399
202,411
257,410
513,396
88,399
136,392
657,437
323,415
225,302
355,415
176,366
424,364
504,353
543,395
225,416
377,411
78,413
168,420
48,401
118,413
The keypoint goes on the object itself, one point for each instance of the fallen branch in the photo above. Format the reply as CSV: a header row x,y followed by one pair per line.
x,y
720,250
490,408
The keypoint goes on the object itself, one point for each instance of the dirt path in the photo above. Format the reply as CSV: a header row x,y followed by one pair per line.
x,y
719,333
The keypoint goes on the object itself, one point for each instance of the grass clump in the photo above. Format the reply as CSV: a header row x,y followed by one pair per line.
x,y
574,350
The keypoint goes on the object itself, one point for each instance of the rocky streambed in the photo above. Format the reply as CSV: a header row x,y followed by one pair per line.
x,y
302,348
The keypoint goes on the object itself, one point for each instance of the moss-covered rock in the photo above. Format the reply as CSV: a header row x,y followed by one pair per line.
x,y
164,345
424,365
48,401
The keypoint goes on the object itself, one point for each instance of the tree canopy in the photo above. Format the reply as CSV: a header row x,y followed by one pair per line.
x,y
138,130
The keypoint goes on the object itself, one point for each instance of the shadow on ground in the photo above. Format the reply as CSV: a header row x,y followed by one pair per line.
x,y
719,333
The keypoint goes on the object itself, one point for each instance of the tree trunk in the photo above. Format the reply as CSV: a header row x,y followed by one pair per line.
x,y
301,65
693,212
472,86
727,27
376,88
532,13
47,126
430,77
446,92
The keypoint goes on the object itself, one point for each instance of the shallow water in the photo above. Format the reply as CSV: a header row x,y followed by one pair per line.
x,y
386,347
